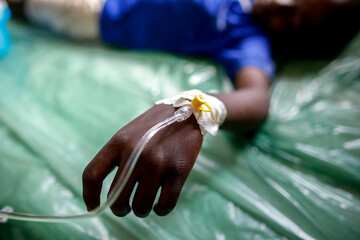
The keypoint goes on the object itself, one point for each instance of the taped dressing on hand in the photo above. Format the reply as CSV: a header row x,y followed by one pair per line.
x,y
209,121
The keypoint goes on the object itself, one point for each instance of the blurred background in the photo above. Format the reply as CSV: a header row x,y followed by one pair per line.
x,y
298,177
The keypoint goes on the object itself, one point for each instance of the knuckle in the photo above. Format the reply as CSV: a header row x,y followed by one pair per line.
x,y
155,153
155,159
121,137
90,175
160,154
178,168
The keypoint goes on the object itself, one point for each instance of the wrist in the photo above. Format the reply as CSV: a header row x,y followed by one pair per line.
x,y
209,111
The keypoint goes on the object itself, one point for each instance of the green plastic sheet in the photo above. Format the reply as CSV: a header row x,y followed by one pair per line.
x,y
298,178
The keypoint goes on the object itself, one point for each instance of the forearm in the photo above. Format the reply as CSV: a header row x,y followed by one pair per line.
x,y
247,107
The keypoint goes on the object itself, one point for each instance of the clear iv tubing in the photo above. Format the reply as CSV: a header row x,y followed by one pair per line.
x,y
181,114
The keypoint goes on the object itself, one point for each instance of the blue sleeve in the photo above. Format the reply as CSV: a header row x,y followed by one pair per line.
x,y
250,51
219,29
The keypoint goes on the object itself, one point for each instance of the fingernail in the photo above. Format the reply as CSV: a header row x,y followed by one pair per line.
x,y
121,212
161,211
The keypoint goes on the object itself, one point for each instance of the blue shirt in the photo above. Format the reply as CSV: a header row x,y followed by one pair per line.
x,y
218,29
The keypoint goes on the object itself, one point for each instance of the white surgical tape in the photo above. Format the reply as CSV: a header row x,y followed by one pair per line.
x,y
208,121
74,18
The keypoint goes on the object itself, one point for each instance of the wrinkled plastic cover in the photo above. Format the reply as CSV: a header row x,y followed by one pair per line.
x,y
298,178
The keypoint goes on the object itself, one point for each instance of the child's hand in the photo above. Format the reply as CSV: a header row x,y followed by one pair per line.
x,y
165,162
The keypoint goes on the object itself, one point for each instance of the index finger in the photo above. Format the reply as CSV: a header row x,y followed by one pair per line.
x,y
97,170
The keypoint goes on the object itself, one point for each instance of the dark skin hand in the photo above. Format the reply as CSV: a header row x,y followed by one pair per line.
x,y
166,161
170,155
